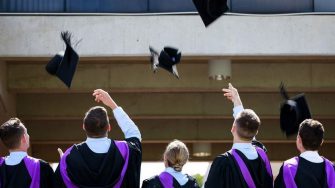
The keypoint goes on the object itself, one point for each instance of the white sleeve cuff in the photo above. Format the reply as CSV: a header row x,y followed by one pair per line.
x,y
237,109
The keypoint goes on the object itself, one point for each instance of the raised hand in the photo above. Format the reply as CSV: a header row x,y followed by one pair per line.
x,y
102,96
232,94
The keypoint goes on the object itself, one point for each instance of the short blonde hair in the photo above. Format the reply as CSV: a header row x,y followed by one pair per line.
x,y
176,155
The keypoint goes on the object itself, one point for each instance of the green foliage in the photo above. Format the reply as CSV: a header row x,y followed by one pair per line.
x,y
199,178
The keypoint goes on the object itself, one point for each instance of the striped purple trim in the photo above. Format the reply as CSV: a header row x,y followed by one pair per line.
x,y
289,171
122,147
330,173
265,159
243,168
124,150
63,171
166,179
34,170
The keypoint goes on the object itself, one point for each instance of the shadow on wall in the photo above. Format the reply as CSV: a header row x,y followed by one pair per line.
x,y
156,6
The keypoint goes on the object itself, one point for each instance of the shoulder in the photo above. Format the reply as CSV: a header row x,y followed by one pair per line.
x,y
134,144
133,140
222,158
221,162
292,161
258,144
79,145
44,164
192,181
151,182
328,162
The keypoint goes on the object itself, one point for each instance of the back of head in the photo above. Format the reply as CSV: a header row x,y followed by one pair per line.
x,y
311,134
247,123
11,133
96,122
176,155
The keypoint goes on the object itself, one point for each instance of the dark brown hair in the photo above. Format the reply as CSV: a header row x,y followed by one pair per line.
x,y
311,134
11,133
96,122
247,123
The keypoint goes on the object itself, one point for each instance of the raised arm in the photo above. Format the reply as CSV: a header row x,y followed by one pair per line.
x,y
127,126
232,94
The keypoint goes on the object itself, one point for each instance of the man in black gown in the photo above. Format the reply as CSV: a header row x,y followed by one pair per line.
x,y
246,165
100,161
309,169
18,169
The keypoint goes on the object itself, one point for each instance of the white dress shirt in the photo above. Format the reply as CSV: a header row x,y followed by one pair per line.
x,y
312,156
237,109
98,145
247,149
15,157
128,127
180,177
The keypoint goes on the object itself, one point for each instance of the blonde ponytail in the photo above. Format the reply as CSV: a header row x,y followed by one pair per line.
x,y
176,155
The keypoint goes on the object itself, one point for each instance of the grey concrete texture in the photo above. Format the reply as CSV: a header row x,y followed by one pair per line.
x,y
111,36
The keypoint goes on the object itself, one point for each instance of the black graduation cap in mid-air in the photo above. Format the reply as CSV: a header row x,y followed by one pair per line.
x,y
292,112
210,10
64,64
167,59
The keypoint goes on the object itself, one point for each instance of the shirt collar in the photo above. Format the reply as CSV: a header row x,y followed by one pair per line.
x,y
242,146
170,170
88,139
15,157
312,156
180,177
17,154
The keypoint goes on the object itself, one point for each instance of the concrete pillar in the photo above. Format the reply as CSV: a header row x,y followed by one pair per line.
x,y
7,101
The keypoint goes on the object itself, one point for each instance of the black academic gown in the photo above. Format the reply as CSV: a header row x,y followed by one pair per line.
x,y
17,176
88,169
309,175
225,172
154,182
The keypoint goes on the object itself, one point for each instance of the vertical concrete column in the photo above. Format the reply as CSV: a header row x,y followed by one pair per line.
x,y
7,101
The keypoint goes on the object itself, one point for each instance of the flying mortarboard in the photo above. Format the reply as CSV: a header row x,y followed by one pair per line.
x,y
292,112
167,59
210,10
64,64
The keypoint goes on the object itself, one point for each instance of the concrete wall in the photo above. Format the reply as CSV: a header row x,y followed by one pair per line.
x,y
110,36
7,101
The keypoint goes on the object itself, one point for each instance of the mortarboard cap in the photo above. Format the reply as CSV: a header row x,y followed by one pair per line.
x,y
210,10
64,64
167,59
292,112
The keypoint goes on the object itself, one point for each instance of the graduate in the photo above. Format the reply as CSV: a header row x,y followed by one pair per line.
x,y
246,164
175,157
309,169
18,169
100,161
